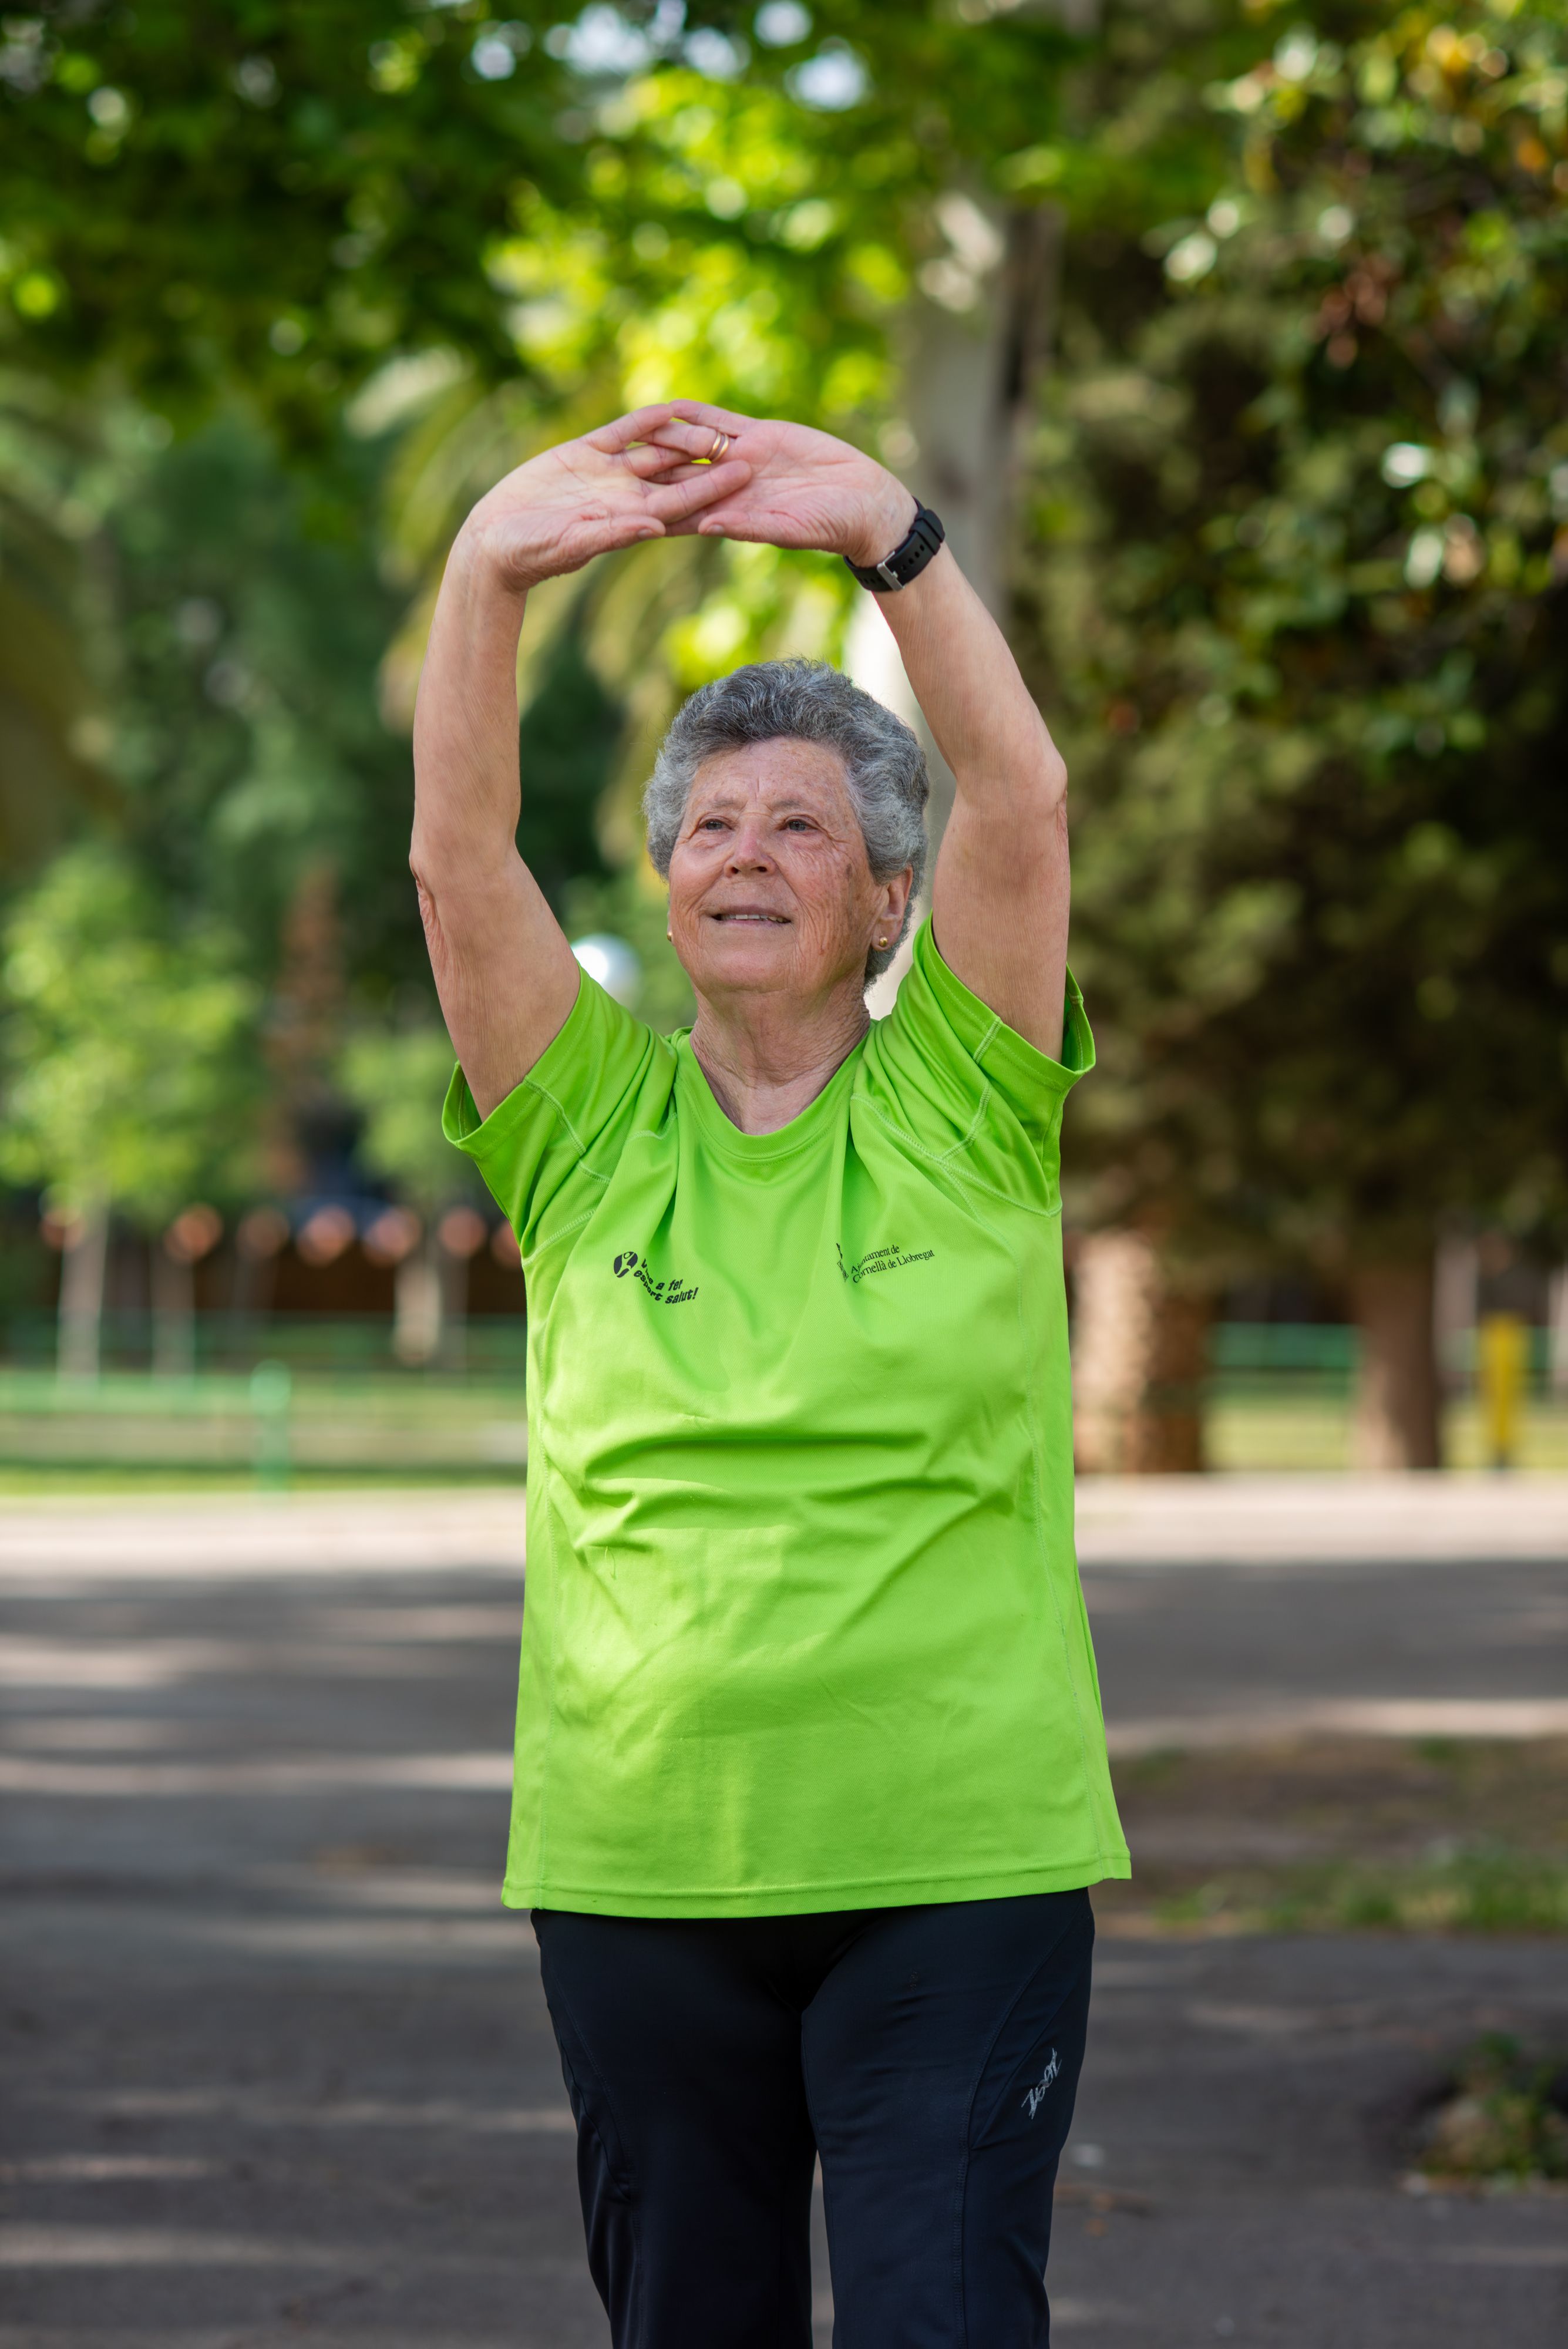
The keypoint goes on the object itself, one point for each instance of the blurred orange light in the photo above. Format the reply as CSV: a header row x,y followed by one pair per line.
x,y
263,1232
462,1231
323,1239
194,1234
394,1234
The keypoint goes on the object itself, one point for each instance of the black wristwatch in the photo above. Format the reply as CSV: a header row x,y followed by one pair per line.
x,y
908,558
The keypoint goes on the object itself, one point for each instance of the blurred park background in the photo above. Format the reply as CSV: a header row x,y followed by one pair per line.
x,y
1229,337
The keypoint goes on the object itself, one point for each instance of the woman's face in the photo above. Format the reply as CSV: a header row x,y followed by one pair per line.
x,y
769,885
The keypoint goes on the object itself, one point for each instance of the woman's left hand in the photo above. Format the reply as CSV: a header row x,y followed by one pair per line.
x,y
806,488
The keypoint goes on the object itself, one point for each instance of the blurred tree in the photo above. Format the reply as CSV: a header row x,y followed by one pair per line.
x,y
130,1070
1302,487
51,736
785,229
276,193
397,1080
767,203
570,730
492,231
1297,477
488,232
241,623
292,196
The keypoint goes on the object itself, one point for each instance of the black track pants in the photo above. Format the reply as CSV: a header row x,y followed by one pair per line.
x,y
930,2054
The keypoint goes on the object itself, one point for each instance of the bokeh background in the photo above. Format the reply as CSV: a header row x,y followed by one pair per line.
x,y
1229,338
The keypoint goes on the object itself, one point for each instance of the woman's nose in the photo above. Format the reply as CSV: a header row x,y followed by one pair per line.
x,y
749,852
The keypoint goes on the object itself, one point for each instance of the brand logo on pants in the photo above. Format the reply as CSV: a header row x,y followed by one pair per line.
x,y
1036,2096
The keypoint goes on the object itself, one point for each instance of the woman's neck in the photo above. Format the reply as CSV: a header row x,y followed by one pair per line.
x,y
765,1059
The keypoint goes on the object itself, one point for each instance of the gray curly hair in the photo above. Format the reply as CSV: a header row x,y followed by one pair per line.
x,y
809,701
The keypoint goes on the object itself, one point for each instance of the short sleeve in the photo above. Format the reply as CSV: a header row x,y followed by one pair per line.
x,y
568,1118
959,1078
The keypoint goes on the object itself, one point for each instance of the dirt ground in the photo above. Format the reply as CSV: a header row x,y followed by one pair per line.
x,y
277,2069
1323,1834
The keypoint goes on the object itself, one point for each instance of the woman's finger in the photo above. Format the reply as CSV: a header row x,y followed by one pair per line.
x,y
716,419
612,440
701,441
648,458
654,457
703,486
681,469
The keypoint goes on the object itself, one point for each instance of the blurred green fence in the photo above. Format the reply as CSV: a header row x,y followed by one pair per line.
x,y
311,1396
1280,1396
1315,1360
492,1345
270,1423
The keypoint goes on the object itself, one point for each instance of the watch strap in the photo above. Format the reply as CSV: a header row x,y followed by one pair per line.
x,y
908,558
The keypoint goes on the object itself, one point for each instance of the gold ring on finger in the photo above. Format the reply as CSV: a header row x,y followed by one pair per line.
x,y
720,442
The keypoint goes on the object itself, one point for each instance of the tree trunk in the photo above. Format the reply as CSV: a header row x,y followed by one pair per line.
x,y
1557,1332
1456,1298
418,1302
454,1275
1397,1412
83,1269
976,351
1140,1359
174,1315
431,1304
972,359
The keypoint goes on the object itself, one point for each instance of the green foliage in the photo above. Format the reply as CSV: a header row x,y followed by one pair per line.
x,y
1299,504
129,1072
48,733
272,192
291,196
1505,2119
1487,1887
570,731
240,628
397,1082
1300,497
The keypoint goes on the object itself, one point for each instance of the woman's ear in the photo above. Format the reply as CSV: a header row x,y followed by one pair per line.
x,y
896,899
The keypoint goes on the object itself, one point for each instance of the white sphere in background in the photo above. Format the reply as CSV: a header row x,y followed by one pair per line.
x,y
612,963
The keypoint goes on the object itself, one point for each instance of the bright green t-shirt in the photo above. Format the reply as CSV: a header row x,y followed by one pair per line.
x,y
803,1627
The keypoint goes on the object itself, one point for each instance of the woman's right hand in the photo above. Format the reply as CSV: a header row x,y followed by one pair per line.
x,y
591,495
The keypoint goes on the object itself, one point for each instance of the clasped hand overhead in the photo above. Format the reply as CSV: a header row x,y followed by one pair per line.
x,y
680,468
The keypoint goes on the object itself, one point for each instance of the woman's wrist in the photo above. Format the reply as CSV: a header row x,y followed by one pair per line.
x,y
889,512
484,566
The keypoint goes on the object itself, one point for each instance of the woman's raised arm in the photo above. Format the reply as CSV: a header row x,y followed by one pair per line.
x,y
502,968
1000,896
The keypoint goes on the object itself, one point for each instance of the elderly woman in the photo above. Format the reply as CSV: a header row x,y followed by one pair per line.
x,y
810,1770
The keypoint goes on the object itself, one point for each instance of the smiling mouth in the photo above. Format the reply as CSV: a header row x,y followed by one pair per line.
x,y
750,914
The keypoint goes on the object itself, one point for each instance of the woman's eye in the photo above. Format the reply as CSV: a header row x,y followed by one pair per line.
x,y
798,823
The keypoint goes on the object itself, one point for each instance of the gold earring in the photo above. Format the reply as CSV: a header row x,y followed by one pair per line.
x,y
881,942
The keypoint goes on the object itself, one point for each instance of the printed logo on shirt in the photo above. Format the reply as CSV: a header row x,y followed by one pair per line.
x,y
883,1259
673,1291
1035,2096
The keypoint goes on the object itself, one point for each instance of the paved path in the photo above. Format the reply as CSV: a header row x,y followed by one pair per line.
x,y
278,2068
1122,1520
